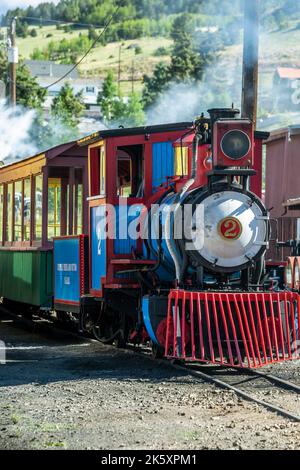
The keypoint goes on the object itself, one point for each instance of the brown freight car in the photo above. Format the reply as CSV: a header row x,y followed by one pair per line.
x,y
282,192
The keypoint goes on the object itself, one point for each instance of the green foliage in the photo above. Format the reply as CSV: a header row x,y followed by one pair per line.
x,y
115,110
97,11
21,29
155,85
133,113
33,33
108,96
67,107
185,62
64,51
138,50
92,34
161,51
29,93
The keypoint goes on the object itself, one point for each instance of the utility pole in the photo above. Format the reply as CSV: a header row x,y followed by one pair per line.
x,y
132,76
250,60
119,70
13,60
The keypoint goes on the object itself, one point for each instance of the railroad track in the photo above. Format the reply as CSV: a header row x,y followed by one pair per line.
x,y
233,379
244,376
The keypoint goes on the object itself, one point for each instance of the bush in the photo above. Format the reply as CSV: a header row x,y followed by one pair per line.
x,y
138,50
93,35
64,50
33,33
49,35
161,51
22,29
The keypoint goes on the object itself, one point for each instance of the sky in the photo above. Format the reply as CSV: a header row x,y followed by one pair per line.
x,y
9,4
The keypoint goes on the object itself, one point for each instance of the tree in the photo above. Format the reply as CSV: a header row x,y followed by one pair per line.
x,y
133,112
108,96
29,93
186,64
92,34
67,107
157,84
21,29
115,109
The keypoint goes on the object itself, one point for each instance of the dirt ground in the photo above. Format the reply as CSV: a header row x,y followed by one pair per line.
x,y
63,392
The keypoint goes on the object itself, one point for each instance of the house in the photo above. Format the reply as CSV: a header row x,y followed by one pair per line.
x,y
48,72
48,68
286,88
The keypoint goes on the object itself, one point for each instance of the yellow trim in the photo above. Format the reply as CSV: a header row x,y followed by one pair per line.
x,y
180,169
102,175
22,169
87,138
96,144
100,143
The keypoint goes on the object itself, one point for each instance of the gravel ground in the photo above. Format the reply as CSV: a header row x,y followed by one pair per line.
x,y
63,392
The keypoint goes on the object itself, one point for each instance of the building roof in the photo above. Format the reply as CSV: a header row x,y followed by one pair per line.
x,y
288,72
47,68
74,82
152,129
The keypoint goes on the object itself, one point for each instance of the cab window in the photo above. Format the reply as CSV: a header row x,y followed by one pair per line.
x,y
97,169
130,171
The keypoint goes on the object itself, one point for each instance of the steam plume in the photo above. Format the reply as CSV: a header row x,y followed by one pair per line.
x,y
15,140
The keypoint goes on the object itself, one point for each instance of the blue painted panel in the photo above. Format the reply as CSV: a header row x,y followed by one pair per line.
x,y
125,215
98,246
67,270
162,162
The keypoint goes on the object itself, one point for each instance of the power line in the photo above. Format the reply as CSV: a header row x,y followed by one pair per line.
x,y
89,49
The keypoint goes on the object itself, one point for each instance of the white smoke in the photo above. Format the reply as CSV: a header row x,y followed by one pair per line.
x,y
19,132
221,87
222,81
15,139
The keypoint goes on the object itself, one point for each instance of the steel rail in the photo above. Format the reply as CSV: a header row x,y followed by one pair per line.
x,y
241,393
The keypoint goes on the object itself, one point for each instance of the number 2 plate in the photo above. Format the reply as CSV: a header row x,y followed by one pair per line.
x,y
230,228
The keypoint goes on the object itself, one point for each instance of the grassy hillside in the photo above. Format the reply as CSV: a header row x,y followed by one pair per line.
x,y
280,47
103,58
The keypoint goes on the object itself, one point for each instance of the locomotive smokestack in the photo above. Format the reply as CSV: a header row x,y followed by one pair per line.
x,y
250,60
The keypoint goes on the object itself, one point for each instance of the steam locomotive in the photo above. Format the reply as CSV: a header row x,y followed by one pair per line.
x,y
174,250
201,289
